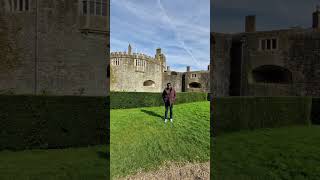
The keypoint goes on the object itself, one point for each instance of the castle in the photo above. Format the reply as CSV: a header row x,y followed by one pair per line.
x,y
136,72
55,47
282,62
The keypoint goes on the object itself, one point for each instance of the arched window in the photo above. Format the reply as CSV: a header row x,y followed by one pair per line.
x,y
272,74
149,83
194,85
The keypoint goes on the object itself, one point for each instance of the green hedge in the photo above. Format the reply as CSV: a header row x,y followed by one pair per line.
x,y
315,115
123,100
244,113
52,121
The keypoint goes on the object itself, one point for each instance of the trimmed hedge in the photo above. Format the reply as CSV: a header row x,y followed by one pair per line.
x,y
28,122
246,113
315,114
123,100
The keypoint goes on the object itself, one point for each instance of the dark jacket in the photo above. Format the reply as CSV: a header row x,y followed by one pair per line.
x,y
169,95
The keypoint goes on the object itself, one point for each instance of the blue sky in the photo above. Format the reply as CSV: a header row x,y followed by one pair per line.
x,y
229,15
181,28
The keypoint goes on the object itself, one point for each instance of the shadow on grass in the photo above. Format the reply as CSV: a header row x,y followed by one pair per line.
x,y
151,113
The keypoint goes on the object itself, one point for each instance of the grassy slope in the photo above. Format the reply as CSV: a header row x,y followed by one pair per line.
x,y
68,164
282,153
140,140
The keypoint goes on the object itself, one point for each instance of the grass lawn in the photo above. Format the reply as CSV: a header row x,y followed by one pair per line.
x,y
66,164
282,153
141,141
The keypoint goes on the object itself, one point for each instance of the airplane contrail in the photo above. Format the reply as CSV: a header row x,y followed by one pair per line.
x,y
177,33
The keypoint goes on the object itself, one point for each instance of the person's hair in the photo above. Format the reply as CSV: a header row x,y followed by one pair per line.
x,y
168,84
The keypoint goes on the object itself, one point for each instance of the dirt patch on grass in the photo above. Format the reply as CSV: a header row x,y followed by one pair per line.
x,y
175,171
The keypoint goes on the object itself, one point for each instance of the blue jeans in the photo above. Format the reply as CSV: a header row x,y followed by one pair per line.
x,y
167,105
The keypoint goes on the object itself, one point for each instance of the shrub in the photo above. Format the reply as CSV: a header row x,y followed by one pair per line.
x,y
123,100
52,121
243,113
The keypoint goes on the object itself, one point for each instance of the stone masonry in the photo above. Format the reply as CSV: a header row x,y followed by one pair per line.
x,y
54,47
282,62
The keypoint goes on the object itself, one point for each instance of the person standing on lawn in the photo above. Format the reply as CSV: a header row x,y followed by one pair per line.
x,y
169,97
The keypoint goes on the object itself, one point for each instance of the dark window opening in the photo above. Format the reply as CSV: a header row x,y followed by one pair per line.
x,y
21,5
84,7
272,74
27,5
263,44
149,83
274,44
195,85
268,44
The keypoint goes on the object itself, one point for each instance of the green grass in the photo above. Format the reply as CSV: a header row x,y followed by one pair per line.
x,y
281,153
141,141
66,164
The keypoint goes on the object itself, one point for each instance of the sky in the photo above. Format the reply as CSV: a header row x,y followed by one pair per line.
x,y
181,28
228,16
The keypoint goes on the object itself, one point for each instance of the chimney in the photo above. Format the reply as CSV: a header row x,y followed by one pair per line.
x,y
316,19
188,68
251,23
168,68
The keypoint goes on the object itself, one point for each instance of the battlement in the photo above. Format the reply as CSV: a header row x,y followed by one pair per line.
x,y
131,56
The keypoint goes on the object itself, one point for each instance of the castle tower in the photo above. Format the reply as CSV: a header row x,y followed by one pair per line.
x,y
316,18
161,57
129,49
250,23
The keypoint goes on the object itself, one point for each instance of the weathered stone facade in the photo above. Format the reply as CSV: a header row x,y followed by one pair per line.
x,y
55,47
134,72
267,63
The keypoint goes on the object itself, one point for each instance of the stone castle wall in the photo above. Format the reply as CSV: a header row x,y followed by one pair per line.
x,y
125,75
135,72
287,65
220,62
57,50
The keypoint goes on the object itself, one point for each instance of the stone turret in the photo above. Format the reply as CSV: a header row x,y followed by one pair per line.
x,y
129,49
316,19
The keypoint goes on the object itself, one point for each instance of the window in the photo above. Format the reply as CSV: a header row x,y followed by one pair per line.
x,y
268,44
193,75
274,44
140,64
116,62
94,7
19,5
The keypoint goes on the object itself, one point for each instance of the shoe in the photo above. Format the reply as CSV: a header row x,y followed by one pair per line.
x,y
171,120
165,120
